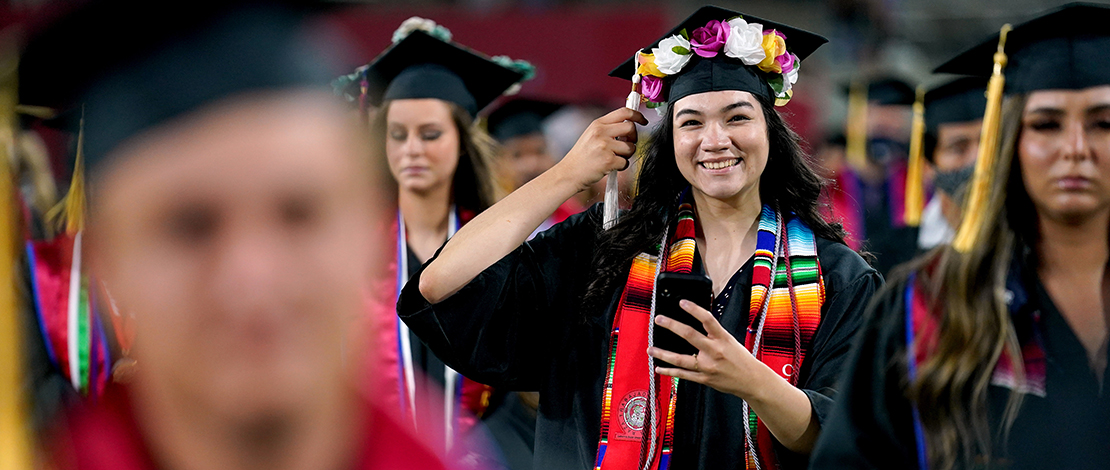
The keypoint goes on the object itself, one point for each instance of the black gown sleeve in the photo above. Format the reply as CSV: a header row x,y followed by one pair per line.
x,y
504,327
849,284
830,352
871,423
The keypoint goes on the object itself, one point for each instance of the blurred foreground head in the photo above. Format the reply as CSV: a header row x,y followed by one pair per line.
x,y
230,209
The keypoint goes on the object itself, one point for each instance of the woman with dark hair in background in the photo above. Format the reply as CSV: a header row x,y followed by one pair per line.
x,y
992,352
427,91
726,191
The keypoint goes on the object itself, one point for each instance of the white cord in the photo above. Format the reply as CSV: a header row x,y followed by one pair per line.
x,y
652,399
748,436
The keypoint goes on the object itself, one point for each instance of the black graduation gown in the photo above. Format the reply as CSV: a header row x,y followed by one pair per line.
x,y
871,426
517,325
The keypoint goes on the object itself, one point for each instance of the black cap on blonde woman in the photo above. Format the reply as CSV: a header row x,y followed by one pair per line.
x,y
1066,48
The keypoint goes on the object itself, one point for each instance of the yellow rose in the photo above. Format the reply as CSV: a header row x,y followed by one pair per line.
x,y
648,67
774,45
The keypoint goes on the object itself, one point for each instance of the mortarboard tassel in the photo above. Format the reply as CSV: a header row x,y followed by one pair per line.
x,y
915,184
15,438
612,190
856,132
70,212
968,234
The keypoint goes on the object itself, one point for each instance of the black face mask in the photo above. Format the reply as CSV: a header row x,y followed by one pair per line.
x,y
954,183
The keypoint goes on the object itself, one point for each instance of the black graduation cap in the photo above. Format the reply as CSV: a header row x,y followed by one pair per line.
x,y
130,75
519,117
1067,48
886,91
961,100
423,66
719,73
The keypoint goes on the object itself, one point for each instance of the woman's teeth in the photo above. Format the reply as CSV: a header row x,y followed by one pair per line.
x,y
719,165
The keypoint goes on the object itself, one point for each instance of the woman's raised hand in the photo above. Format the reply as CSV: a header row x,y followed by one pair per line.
x,y
605,146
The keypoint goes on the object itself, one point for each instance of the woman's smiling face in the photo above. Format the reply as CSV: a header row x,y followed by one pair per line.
x,y
720,143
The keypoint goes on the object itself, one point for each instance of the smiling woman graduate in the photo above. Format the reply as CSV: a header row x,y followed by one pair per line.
x,y
992,353
726,191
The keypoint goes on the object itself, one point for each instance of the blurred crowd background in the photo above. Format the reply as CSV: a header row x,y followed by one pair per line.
x,y
574,44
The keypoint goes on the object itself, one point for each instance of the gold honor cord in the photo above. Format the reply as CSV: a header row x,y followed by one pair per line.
x,y
915,174
15,438
978,192
856,128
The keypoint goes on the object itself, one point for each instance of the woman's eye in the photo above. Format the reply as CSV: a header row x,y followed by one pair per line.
x,y
397,135
689,122
1101,124
739,118
431,135
1046,125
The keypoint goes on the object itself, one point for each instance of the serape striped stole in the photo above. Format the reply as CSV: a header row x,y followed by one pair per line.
x,y
785,321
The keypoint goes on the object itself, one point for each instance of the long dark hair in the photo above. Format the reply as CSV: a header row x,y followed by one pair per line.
x,y
975,326
789,182
473,186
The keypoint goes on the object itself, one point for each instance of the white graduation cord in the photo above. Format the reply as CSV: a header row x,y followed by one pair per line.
x,y
73,312
450,376
759,331
652,398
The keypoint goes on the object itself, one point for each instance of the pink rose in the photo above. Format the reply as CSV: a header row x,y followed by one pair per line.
x,y
786,61
708,40
652,88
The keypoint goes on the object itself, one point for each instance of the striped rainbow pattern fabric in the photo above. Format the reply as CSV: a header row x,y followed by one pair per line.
x,y
789,307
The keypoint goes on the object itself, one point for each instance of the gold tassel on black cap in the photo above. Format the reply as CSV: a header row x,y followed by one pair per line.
x,y
69,214
915,174
968,234
15,438
856,129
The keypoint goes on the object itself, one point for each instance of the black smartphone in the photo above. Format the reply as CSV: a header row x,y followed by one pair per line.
x,y
673,287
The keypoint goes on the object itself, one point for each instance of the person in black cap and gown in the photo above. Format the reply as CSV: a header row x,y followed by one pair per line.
x,y
518,126
724,186
877,147
426,91
953,122
992,353
230,211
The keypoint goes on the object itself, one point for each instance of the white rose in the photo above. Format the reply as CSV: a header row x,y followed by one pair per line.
x,y
745,42
415,23
666,59
790,78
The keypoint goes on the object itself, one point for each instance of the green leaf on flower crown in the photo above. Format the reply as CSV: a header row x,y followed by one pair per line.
x,y
441,33
735,17
339,85
522,67
680,50
684,34
653,105
776,83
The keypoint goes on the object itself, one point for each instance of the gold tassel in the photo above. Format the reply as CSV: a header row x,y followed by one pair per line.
x,y
15,437
915,174
69,214
975,210
856,129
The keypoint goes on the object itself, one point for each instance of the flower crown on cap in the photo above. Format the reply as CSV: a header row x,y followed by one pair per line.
x,y
437,31
736,38
416,23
